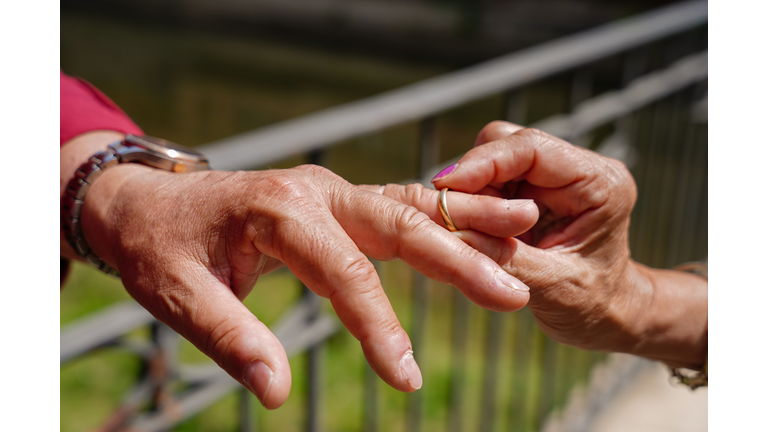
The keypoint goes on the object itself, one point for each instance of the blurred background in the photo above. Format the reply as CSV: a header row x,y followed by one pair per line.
x,y
200,72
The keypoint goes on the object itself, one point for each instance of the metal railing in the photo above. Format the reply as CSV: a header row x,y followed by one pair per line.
x,y
651,121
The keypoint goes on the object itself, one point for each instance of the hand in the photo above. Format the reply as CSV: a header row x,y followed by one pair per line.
x,y
190,247
585,289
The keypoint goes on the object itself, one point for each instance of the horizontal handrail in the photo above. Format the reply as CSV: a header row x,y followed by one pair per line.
x,y
295,329
101,328
638,93
435,95
612,105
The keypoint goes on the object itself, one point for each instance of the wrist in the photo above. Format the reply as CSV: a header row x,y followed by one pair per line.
x,y
92,217
101,215
673,328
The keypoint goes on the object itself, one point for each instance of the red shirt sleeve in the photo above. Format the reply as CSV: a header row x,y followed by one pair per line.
x,y
84,108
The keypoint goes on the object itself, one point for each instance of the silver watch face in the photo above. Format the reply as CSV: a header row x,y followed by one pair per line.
x,y
162,154
162,146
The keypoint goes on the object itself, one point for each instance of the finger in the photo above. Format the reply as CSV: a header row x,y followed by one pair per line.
x,y
207,313
543,161
492,215
535,267
386,230
525,155
496,130
320,253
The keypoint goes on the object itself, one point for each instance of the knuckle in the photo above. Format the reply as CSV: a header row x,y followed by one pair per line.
x,y
286,186
416,193
220,340
319,173
621,181
536,135
388,328
493,126
410,220
360,272
539,138
312,169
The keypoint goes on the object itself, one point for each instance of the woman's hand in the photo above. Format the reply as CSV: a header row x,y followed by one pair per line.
x,y
190,247
585,289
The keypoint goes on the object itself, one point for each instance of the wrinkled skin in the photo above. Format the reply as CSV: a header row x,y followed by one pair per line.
x,y
585,289
190,247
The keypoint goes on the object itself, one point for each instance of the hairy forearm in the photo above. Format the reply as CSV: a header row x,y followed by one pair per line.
x,y
673,328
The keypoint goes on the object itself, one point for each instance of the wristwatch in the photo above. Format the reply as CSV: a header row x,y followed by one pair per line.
x,y
146,150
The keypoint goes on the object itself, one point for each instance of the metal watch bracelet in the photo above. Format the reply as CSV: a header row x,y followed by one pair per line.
x,y
74,198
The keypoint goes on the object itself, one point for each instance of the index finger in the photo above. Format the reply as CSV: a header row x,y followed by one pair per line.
x,y
528,154
565,178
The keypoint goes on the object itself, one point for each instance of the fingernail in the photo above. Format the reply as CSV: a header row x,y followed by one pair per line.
x,y
258,377
445,172
519,203
512,282
411,370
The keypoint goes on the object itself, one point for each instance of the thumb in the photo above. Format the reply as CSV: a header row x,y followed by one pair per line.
x,y
537,268
208,314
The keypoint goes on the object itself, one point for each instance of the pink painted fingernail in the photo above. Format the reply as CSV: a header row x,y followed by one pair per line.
x,y
258,377
512,282
445,172
411,370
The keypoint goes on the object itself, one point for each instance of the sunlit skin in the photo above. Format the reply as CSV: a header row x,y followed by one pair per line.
x,y
586,290
541,212
190,247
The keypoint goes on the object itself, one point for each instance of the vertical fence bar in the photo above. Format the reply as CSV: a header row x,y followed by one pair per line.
x,y
371,414
696,199
645,218
515,108
562,376
429,146
582,84
248,421
162,365
458,361
682,184
662,187
548,379
314,368
581,89
315,352
635,64
428,157
492,353
523,363
418,339
371,407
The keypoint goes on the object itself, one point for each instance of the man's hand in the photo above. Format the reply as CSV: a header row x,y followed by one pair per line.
x,y
190,247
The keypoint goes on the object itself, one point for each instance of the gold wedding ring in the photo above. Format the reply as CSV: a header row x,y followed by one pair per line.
x,y
442,204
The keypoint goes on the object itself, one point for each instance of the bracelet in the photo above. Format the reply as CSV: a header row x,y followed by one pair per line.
x,y
700,378
692,380
72,205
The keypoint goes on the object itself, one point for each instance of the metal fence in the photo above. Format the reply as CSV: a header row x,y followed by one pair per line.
x,y
650,112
